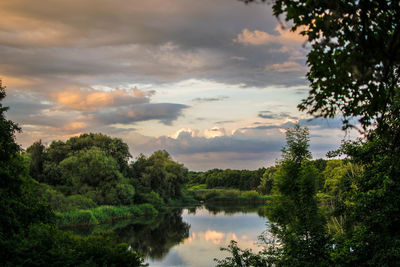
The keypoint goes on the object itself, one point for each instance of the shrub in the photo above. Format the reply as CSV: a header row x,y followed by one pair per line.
x,y
231,193
251,195
211,194
153,198
80,202
77,217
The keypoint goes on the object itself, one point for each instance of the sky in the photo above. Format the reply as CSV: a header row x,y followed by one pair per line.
x,y
214,82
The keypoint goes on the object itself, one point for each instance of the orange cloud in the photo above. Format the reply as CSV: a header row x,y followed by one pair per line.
x,y
11,81
214,236
94,99
257,37
74,126
288,66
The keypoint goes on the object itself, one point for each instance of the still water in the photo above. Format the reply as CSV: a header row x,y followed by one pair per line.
x,y
208,232
190,236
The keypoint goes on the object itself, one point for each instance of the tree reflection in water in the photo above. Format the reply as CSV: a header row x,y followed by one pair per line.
x,y
154,239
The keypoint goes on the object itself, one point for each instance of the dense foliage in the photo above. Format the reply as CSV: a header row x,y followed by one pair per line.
x,y
27,235
297,234
239,179
354,73
94,169
158,176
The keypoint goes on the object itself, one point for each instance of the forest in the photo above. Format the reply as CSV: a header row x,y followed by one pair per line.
x,y
339,211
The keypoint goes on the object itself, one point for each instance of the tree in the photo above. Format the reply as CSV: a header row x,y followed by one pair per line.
x,y
354,72
114,147
267,181
19,203
27,235
36,152
159,173
299,223
298,235
354,61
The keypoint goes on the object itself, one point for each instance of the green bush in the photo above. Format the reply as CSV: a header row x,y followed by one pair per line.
x,y
251,195
45,245
231,193
125,193
77,217
198,187
211,194
147,209
80,202
153,198
104,213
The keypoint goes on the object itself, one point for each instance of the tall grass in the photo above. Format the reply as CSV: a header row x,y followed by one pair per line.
x,y
103,214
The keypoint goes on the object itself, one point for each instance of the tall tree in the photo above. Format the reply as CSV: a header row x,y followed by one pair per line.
x,y
354,72
19,203
299,224
298,235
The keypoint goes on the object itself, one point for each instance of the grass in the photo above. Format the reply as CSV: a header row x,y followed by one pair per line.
x,y
224,195
103,214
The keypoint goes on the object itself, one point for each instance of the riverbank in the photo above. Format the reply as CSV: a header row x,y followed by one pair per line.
x,y
103,214
226,196
194,196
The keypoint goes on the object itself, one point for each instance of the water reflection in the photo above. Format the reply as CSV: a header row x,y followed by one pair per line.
x,y
155,239
212,228
191,236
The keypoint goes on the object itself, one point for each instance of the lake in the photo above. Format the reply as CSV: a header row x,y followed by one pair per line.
x,y
190,236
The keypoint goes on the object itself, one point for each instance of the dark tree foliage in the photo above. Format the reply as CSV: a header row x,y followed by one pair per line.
x,y
91,165
299,223
27,235
372,235
19,203
45,245
114,147
160,174
354,72
37,154
238,179
297,234
267,181
154,239
354,61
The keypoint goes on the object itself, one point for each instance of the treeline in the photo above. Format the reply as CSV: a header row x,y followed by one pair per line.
x,y
94,169
261,180
238,179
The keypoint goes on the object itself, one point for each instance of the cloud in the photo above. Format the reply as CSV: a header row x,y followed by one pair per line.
x,y
166,113
288,66
90,99
256,37
210,99
86,42
82,110
266,114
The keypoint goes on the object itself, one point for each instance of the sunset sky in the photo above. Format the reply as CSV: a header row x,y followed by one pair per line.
x,y
214,82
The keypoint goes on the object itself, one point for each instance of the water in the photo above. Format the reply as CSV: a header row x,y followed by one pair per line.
x,y
209,232
190,236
